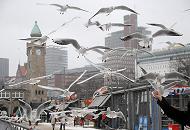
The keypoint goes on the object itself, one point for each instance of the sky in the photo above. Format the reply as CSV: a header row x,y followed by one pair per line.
x,y
18,18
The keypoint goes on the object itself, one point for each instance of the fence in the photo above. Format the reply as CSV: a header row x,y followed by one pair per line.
x,y
7,125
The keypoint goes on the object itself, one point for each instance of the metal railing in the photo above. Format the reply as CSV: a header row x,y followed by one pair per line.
x,y
7,125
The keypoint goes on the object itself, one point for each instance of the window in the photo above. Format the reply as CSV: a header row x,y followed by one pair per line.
x,y
36,92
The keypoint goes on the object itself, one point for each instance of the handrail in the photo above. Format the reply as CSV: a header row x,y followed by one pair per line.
x,y
12,125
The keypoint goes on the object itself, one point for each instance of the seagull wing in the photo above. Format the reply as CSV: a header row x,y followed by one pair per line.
x,y
27,108
187,10
102,10
62,26
29,39
142,50
51,88
121,115
90,78
158,25
177,75
99,51
172,84
149,76
180,44
76,80
135,35
125,8
120,70
98,47
57,5
143,70
120,24
67,42
77,8
99,67
166,32
123,76
41,108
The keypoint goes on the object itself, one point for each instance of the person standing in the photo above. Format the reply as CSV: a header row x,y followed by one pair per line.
x,y
63,122
182,117
53,121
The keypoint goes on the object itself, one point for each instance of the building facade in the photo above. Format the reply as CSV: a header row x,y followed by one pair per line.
x,y
4,67
36,67
85,90
56,59
116,60
165,60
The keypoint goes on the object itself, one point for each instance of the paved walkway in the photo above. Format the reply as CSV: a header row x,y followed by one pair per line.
x,y
47,126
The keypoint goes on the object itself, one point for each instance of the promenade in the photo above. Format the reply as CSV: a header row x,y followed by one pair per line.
x,y
47,126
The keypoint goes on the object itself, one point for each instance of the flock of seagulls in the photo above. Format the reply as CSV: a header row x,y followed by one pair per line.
x,y
155,80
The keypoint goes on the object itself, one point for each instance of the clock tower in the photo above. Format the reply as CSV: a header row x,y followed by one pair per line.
x,y
36,67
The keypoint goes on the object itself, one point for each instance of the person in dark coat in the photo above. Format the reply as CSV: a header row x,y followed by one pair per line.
x,y
182,117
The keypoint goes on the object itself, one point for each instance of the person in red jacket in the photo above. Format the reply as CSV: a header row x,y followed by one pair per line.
x,y
182,117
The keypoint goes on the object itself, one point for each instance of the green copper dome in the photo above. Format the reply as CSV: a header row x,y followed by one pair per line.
x,y
35,31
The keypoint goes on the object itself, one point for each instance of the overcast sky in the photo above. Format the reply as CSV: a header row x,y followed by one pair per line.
x,y
18,17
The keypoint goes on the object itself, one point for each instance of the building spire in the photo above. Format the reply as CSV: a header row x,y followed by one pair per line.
x,y
35,31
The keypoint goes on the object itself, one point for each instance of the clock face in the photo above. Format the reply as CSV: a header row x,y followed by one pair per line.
x,y
38,52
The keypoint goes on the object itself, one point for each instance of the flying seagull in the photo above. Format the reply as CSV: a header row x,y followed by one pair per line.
x,y
90,23
108,10
34,80
65,92
187,10
106,72
166,32
177,75
114,114
81,50
131,51
108,26
63,8
155,80
33,115
41,40
138,36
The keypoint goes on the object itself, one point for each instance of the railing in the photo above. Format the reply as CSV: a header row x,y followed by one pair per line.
x,y
7,125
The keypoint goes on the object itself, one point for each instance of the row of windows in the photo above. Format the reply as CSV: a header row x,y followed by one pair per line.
x,y
39,92
14,94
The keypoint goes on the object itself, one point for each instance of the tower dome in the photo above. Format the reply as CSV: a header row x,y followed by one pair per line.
x,y
35,31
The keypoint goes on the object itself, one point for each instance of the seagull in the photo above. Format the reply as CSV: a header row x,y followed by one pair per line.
x,y
33,115
138,36
65,92
108,10
177,75
108,26
166,32
63,8
130,51
172,45
90,23
160,25
81,50
35,80
153,81
32,81
41,40
106,72
187,10
114,114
